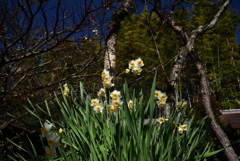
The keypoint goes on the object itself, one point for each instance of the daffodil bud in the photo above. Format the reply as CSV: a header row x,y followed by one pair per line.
x,y
127,71
60,130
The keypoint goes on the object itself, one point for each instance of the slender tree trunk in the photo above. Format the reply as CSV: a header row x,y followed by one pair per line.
x,y
176,70
111,39
206,103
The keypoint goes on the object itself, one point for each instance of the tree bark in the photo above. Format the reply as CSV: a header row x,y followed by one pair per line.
x,y
176,70
111,39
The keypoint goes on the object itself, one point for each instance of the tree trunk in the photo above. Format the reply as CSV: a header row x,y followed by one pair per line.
x,y
176,70
206,103
111,39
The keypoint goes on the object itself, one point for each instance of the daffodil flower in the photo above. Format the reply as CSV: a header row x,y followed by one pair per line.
x,y
113,109
53,140
160,120
139,62
107,78
116,94
184,103
94,102
157,94
45,130
163,97
50,152
117,103
130,104
102,90
65,85
180,130
107,84
98,108
184,127
132,64
136,70
105,73
160,103
179,104
66,90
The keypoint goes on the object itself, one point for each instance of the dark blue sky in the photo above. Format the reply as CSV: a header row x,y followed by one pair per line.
x,y
236,5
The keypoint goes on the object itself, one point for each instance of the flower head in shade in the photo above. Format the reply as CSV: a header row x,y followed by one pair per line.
x,y
163,97
184,127
117,103
179,104
50,152
98,108
116,94
101,92
136,70
94,102
130,104
180,130
53,140
157,94
105,73
65,89
139,62
185,103
107,84
65,85
107,78
160,120
132,64
113,109
45,130
160,103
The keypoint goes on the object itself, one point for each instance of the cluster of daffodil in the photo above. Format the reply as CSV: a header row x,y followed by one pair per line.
x,y
181,104
180,127
96,105
161,120
116,101
101,92
53,139
161,98
66,89
135,66
106,79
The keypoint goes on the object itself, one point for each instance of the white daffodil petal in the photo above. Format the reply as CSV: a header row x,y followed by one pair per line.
x,y
139,62
136,70
94,102
53,140
98,108
50,152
